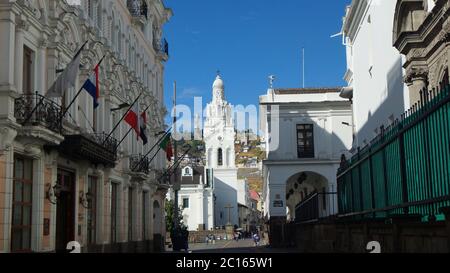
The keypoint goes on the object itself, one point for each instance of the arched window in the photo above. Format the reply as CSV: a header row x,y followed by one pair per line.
x,y
220,157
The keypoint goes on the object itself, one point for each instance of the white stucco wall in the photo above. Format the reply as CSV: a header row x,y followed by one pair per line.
x,y
374,68
198,213
226,191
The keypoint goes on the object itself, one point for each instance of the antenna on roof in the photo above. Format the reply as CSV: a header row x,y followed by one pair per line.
x,y
303,65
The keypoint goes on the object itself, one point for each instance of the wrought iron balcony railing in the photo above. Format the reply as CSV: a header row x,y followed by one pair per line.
x,y
109,143
37,110
138,8
139,164
97,148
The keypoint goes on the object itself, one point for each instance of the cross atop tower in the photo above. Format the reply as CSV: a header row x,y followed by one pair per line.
x,y
271,80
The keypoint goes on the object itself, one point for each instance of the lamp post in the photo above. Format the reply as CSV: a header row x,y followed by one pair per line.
x,y
175,173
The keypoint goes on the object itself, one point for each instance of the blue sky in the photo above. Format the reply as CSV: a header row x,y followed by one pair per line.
x,y
249,40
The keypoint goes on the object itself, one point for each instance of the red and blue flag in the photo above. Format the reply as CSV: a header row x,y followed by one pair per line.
x,y
92,86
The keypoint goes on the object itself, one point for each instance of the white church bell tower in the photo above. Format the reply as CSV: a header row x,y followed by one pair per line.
x,y
219,136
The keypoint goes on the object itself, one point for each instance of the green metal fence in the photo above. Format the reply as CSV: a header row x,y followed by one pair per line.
x,y
405,169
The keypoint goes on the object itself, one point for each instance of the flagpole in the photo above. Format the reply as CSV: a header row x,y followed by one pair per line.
x,y
123,139
43,97
175,181
176,164
121,119
70,104
153,158
154,146
78,93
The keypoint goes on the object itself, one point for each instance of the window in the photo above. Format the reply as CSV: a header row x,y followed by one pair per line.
x,y
92,210
130,214
305,141
22,205
185,203
114,190
220,157
27,77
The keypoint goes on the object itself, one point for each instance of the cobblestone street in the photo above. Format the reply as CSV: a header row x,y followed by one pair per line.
x,y
242,246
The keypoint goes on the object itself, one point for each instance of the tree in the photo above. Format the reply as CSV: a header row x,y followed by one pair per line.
x,y
170,214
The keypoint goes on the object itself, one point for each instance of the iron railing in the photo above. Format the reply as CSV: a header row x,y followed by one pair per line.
x,y
108,143
316,206
97,148
138,8
139,164
37,110
406,169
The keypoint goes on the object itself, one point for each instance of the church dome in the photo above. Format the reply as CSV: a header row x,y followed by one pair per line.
x,y
218,83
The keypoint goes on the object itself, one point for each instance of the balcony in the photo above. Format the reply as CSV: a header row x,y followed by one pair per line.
x,y
97,148
139,164
37,110
162,49
138,9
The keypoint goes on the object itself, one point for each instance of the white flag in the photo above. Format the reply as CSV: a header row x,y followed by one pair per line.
x,y
66,79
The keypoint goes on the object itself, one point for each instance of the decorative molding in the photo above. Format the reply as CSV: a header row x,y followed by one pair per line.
x,y
7,136
416,73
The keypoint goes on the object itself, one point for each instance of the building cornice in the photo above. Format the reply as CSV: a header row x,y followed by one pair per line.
x,y
300,162
417,43
354,17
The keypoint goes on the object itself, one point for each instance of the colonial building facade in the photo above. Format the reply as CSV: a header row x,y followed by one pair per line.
x,y
307,132
421,32
68,181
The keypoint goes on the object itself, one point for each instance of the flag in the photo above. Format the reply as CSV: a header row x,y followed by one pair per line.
x,y
132,118
143,127
92,86
166,145
67,78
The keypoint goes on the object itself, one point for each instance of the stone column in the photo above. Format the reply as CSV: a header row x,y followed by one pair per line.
x,y
100,228
7,136
41,66
417,80
21,27
7,48
38,196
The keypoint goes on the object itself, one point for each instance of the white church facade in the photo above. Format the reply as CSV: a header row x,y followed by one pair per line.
x,y
219,137
208,197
